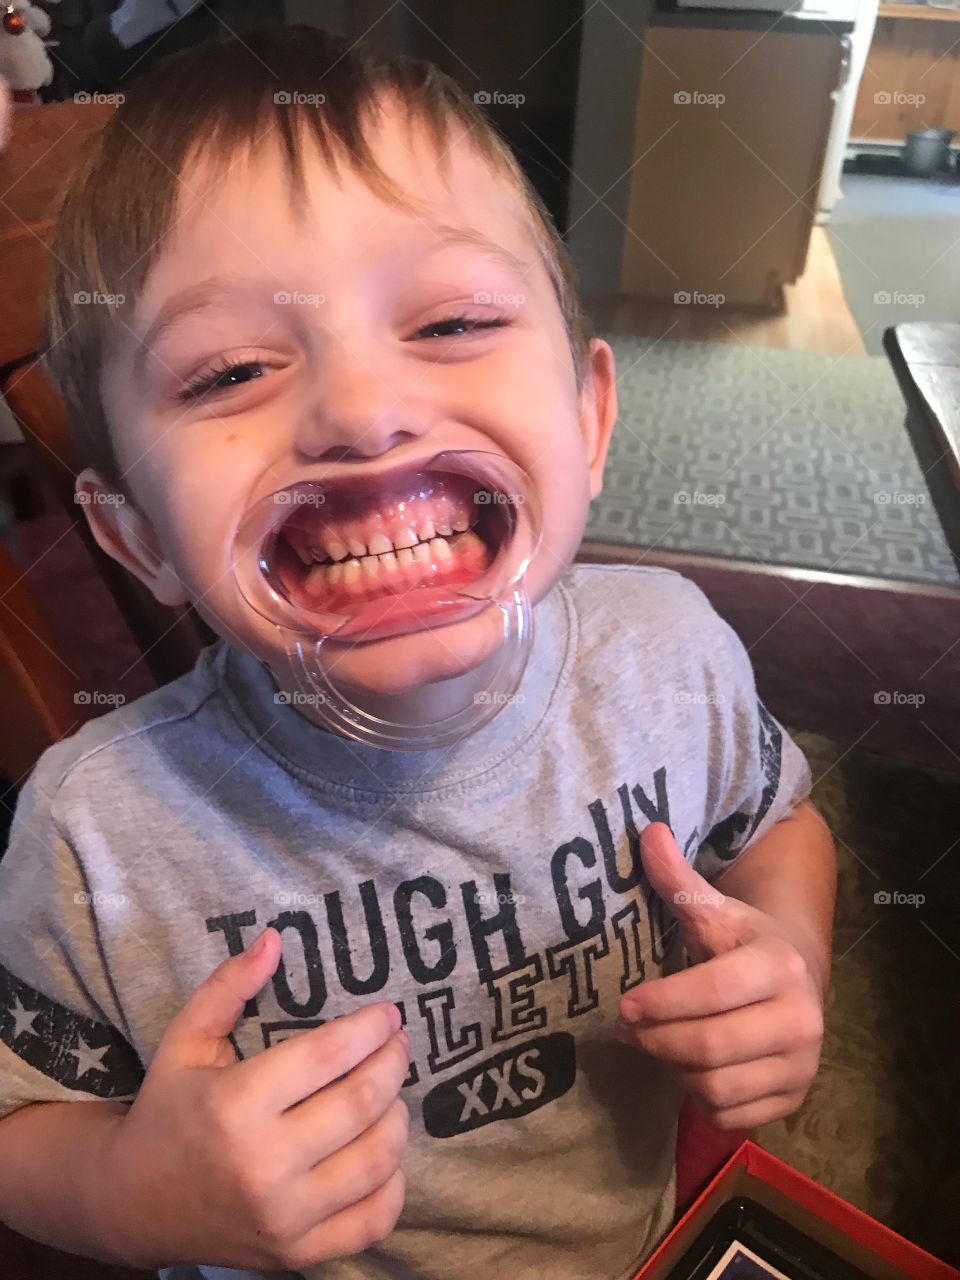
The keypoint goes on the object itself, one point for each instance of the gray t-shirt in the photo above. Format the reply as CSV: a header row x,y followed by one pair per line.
x,y
493,890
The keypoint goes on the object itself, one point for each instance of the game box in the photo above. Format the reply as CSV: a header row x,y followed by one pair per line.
x,y
759,1219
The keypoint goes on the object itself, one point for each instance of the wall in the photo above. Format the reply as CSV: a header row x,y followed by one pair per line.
x,y
610,59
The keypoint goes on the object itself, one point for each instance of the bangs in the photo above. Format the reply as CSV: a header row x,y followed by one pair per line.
x,y
123,201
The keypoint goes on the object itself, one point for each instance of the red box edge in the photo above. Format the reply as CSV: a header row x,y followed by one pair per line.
x,y
834,1210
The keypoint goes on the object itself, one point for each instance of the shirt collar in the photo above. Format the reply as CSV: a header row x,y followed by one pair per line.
x,y
309,751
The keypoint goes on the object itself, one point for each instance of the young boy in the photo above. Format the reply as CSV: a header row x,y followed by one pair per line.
x,y
215,911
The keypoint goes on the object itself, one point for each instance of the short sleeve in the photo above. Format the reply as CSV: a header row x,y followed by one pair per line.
x,y
758,774
59,1035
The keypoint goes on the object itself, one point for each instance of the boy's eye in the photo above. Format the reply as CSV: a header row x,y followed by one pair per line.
x,y
222,379
459,324
228,375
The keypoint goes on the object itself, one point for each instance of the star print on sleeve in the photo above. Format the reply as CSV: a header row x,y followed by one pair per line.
x,y
76,1051
729,836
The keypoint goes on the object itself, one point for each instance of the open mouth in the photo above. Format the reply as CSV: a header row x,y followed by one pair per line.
x,y
344,548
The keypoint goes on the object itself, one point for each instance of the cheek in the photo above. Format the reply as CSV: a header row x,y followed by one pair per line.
x,y
562,483
534,409
564,520
200,499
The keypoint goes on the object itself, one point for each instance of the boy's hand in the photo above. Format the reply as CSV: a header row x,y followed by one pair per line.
x,y
742,1028
272,1162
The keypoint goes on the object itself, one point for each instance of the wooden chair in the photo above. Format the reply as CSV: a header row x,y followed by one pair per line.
x,y
36,688
170,639
37,691
37,696
43,143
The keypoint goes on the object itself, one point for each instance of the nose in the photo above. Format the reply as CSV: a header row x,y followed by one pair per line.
x,y
357,408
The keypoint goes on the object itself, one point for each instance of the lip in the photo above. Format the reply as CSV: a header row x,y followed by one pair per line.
x,y
349,479
418,609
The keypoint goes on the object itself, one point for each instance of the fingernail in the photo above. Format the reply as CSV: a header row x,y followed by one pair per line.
x,y
257,948
630,1012
393,1016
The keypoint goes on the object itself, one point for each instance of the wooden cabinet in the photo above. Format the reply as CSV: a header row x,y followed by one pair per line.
x,y
731,131
911,78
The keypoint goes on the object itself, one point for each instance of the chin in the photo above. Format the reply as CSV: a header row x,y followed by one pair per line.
x,y
399,665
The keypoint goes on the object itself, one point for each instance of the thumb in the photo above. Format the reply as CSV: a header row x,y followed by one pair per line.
x,y
707,919
197,1035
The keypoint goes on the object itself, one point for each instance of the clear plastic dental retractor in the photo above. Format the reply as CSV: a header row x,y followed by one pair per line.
x,y
432,556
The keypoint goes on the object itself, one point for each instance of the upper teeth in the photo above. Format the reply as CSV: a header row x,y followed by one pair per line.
x,y
380,545
405,538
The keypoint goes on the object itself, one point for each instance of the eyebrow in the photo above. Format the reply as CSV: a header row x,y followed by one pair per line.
x,y
221,289
454,236
197,297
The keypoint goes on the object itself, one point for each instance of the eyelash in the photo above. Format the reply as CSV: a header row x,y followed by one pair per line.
x,y
203,384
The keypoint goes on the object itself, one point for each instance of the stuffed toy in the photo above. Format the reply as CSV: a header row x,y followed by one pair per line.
x,y
24,61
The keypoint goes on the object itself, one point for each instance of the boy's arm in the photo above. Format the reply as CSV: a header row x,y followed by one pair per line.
x,y
55,1176
791,874
65,1064
742,1027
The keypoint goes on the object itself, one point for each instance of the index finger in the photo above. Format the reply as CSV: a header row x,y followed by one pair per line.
x,y
728,981
292,1070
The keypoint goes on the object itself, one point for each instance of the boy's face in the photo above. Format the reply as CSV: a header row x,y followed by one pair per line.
x,y
357,370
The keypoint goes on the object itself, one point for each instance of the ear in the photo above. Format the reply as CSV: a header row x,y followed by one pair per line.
x,y
126,535
598,409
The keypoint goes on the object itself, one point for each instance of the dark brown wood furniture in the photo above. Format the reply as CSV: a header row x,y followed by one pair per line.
x,y
865,661
926,360
37,688
44,143
169,639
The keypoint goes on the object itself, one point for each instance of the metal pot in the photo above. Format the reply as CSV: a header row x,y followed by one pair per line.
x,y
927,150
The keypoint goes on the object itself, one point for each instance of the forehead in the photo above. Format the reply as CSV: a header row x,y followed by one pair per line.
x,y
240,212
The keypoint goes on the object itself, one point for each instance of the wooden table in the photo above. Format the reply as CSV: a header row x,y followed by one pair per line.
x,y
926,360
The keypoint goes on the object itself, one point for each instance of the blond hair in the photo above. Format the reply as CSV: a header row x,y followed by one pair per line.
x,y
211,101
